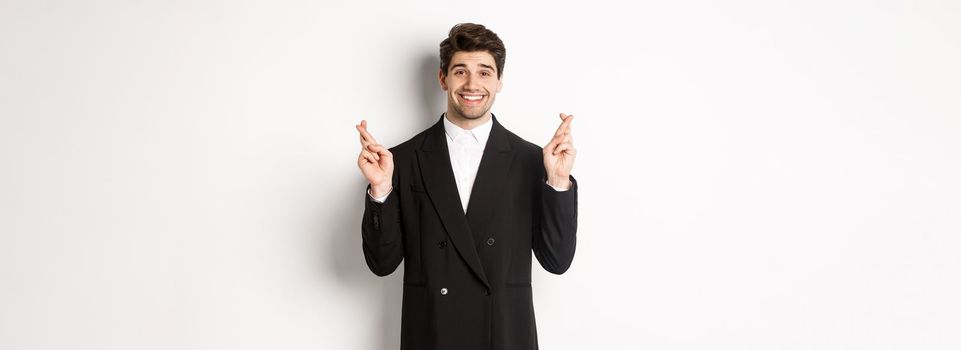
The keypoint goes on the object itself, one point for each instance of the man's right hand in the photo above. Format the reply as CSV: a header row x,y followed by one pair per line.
x,y
375,162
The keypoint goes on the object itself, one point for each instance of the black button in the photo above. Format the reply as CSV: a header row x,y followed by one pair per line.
x,y
376,222
490,241
442,244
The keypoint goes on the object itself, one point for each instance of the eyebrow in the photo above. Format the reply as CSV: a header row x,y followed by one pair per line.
x,y
480,64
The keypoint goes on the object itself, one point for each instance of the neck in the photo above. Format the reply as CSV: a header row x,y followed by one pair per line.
x,y
465,123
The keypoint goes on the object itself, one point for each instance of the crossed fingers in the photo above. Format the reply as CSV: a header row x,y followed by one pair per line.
x,y
563,140
369,148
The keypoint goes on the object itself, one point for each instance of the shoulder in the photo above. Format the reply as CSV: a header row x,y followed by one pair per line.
x,y
411,144
529,157
521,145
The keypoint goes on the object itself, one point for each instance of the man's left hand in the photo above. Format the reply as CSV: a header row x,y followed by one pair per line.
x,y
559,155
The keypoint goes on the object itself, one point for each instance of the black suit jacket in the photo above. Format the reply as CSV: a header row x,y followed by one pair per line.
x,y
467,278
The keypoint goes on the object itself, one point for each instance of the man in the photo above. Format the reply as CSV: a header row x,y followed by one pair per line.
x,y
463,204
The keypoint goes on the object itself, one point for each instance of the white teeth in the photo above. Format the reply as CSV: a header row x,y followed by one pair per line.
x,y
471,98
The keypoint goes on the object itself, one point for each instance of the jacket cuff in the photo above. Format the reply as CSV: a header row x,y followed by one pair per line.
x,y
547,186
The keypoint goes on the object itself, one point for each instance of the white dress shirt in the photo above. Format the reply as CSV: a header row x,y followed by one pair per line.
x,y
466,148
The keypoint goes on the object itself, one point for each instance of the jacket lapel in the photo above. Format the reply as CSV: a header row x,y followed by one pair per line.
x,y
434,161
491,176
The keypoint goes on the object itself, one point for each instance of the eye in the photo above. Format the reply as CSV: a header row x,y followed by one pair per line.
x,y
459,72
486,73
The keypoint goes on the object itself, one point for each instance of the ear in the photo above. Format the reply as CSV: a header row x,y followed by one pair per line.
x,y
500,84
440,77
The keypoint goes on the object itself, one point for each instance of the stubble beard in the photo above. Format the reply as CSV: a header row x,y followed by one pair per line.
x,y
469,116
459,110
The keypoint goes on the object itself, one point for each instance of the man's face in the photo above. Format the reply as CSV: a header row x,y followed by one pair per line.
x,y
471,84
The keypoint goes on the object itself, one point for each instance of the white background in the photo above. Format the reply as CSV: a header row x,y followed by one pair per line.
x,y
755,174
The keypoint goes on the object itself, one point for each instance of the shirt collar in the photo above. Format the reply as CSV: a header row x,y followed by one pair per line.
x,y
481,132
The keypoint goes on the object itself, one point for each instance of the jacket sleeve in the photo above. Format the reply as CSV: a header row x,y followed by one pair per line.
x,y
382,234
555,231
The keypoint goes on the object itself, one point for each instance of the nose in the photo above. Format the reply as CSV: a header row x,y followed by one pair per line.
x,y
469,82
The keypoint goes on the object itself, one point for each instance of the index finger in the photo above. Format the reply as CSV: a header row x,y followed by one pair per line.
x,y
364,135
566,124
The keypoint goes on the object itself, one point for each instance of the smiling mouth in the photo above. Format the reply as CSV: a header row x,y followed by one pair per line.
x,y
471,99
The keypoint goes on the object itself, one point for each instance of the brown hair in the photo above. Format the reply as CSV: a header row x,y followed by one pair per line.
x,y
472,37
